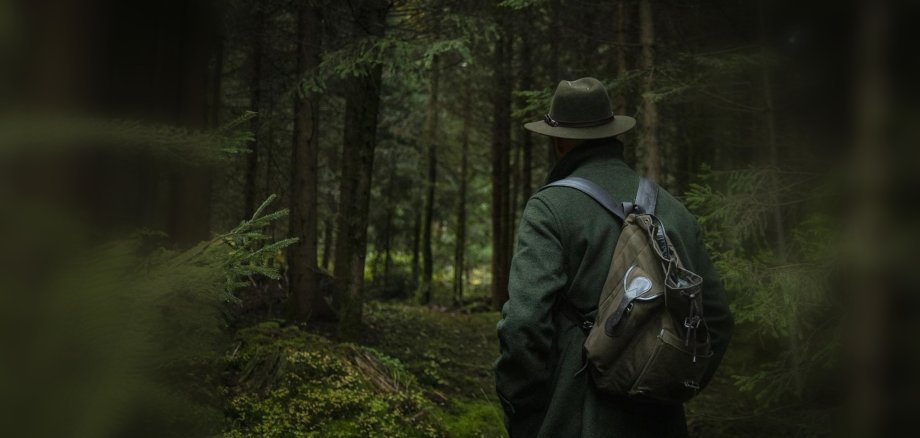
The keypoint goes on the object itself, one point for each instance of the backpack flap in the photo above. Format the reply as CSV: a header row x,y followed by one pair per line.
x,y
649,340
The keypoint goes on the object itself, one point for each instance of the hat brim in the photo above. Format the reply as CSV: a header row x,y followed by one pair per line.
x,y
619,125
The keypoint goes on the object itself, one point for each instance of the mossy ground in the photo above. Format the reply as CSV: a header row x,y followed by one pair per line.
x,y
417,373
451,355
290,383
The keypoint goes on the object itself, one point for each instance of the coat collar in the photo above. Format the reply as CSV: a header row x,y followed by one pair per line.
x,y
604,149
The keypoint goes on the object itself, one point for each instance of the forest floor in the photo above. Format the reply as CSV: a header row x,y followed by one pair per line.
x,y
451,355
417,371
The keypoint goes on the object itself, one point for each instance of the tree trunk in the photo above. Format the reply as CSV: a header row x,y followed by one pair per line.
x,y
190,201
216,82
526,169
305,298
328,242
387,247
388,224
650,146
516,176
255,105
108,58
619,101
431,130
268,150
871,342
416,244
555,71
357,168
501,145
769,121
362,102
460,239
509,213
770,127
190,186
526,136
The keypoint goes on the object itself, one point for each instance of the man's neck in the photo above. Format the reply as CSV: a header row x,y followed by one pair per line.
x,y
564,145
586,150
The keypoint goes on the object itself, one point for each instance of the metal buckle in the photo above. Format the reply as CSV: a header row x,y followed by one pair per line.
x,y
587,325
692,385
692,322
586,124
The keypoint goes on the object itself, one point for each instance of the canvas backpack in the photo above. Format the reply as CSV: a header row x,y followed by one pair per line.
x,y
648,339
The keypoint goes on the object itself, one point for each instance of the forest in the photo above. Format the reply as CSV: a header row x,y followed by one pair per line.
x,y
296,218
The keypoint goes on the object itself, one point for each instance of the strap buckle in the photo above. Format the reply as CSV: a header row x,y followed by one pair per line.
x,y
633,208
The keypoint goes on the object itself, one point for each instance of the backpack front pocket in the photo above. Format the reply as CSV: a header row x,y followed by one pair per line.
x,y
671,374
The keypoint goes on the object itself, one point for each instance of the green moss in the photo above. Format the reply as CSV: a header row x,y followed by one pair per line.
x,y
289,383
473,419
424,373
451,353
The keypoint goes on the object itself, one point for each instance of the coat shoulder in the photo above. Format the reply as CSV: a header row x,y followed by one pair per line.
x,y
563,205
675,214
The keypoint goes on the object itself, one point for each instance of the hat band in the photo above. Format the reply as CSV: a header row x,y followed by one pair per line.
x,y
558,124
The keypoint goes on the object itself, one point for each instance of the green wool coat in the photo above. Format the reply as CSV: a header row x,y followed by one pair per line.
x,y
564,246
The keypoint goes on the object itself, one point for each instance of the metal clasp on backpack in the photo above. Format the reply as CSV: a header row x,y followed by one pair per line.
x,y
692,323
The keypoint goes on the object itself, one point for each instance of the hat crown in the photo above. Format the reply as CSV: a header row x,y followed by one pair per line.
x,y
580,101
580,110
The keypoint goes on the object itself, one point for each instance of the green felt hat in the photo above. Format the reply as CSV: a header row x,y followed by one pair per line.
x,y
580,110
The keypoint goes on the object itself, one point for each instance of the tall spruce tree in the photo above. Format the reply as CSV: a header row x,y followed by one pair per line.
x,y
305,298
362,101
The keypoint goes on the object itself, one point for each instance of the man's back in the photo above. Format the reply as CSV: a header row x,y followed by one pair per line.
x,y
565,243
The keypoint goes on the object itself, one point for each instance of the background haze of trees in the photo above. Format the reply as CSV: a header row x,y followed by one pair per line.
x,y
220,215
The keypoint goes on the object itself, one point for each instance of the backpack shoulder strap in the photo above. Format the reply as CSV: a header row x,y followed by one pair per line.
x,y
647,196
594,191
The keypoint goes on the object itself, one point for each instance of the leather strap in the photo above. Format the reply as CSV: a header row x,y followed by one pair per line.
x,y
594,191
646,201
582,321
647,196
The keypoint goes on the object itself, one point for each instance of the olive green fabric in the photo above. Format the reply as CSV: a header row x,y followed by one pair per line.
x,y
565,242
643,344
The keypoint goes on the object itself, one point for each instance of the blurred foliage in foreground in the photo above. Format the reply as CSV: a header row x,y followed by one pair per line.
x,y
124,338
782,371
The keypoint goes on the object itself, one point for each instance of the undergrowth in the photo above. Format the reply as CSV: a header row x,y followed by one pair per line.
x,y
289,383
421,373
451,354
